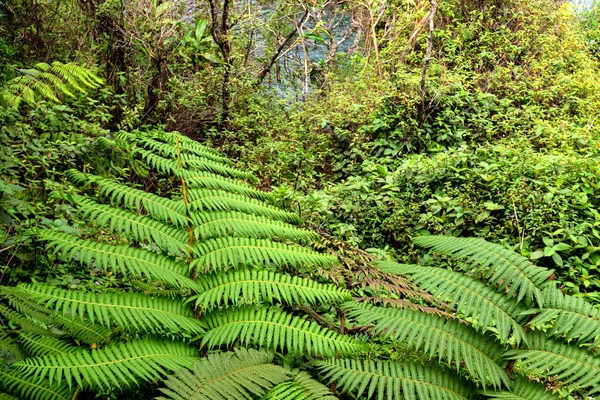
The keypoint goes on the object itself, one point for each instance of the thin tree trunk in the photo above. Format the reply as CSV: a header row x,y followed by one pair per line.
x,y
427,60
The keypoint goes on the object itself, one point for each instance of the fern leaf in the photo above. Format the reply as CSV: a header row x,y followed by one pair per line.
x,y
130,311
274,329
504,268
223,253
207,180
569,364
394,380
134,199
83,331
37,345
8,348
523,389
126,260
303,387
4,396
139,227
470,296
118,365
26,323
218,224
219,200
23,386
242,374
571,317
251,285
453,343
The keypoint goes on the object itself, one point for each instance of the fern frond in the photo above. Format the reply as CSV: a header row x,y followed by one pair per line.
x,y
7,345
33,389
504,268
302,387
218,224
523,389
207,180
566,363
251,285
141,228
570,317
394,380
134,199
4,396
130,311
471,297
274,329
242,374
83,331
26,323
118,365
37,345
224,253
126,260
219,200
454,344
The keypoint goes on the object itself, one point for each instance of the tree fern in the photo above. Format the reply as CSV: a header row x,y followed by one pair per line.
x,y
251,285
470,296
569,364
242,374
302,387
453,343
118,365
219,200
220,224
83,330
504,268
131,311
274,329
25,387
37,345
126,260
394,380
523,389
134,199
224,253
571,317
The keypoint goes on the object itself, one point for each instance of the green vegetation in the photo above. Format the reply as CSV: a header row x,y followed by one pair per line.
x,y
275,200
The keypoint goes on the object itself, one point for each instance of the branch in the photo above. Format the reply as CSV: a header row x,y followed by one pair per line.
x,y
434,6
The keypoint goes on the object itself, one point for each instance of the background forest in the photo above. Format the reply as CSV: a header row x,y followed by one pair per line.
x,y
320,142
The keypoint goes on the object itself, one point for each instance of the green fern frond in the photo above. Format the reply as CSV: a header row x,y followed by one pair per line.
x,y
394,380
471,297
134,199
126,260
224,253
242,374
454,344
523,389
4,396
207,180
218,200
302,387
130,311
274,329
37,345
141,228
8,345
26,323
251,285
571,317
219,224
118,365
504,268
566,363
23,386
83,331
194,162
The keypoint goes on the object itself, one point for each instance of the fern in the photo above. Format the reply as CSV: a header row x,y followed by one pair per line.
x,y
34,389
219,224
242,374
569,364
470,296
455,344
571,317
302,387
504,268
128,310
83,331
37,345
120,259
116,366
7,345
224,253
219,200
26,323
523,389
244,286
274,329
394,380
